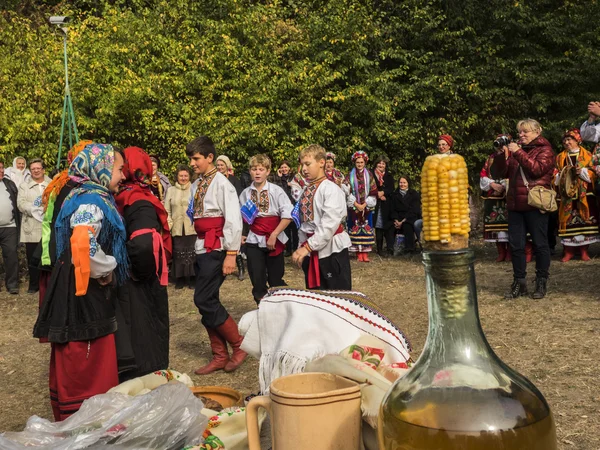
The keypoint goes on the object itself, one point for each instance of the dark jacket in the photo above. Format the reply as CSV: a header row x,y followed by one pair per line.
x,y
387,187
537,160
406,206
13,190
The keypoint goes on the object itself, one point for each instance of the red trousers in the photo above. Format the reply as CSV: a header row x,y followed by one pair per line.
x,y
80,370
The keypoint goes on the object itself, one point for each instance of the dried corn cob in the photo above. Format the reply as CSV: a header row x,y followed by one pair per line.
x,y
445,198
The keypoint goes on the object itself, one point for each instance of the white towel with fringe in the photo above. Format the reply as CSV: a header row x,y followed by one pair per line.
x,y
292,327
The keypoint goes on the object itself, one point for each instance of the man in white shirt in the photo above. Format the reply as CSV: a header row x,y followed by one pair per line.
x,y
590,129
218,224
10,222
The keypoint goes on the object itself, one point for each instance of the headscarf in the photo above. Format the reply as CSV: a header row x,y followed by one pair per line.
x,y
61,179
330,155
138,171
574,134
18,176
92,168
446,137
227,162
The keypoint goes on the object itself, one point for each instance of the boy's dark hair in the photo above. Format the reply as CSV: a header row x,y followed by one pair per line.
x,y
202,145
37,161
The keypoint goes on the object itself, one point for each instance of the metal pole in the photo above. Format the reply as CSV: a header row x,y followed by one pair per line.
x,y
68,111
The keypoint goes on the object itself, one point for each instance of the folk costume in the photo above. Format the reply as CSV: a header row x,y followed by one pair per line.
x,y
322,211
495,215
78,314
334,174
266,266
577,213
183,234
215,209
384,226
362,190
143,307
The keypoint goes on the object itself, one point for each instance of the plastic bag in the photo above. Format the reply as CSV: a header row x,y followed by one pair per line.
x,y
168,417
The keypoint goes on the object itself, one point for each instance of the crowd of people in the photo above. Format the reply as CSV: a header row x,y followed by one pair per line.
x,y
112,231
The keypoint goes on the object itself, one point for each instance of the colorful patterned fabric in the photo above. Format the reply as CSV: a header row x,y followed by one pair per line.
x,y
93,167
261,200
495,214
360,223
575,216
205,181
249,212
336,176
307,213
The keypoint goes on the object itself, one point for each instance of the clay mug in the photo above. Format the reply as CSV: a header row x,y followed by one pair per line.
x,y
309,410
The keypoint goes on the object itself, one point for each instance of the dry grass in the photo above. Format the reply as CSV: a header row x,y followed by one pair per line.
x,y
554,342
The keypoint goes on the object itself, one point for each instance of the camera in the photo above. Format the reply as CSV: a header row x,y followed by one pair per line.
x,y
59,20
501,141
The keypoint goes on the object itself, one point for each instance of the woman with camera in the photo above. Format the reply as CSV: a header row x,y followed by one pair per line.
x,y
578,213
528,164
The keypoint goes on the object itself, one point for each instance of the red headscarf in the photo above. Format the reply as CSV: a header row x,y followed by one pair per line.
x,y
138,171
573,133
446,137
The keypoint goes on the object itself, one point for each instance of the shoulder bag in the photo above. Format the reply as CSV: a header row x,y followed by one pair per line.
x,y
540,197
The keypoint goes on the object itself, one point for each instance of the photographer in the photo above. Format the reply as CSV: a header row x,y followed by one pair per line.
x,y
590,129
533,154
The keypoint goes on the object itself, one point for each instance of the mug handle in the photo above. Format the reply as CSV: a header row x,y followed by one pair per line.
x,y
252,419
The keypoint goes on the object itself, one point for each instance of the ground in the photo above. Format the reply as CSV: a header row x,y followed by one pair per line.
x,y
554,342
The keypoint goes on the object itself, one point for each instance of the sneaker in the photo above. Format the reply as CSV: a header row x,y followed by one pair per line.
x,y
517,289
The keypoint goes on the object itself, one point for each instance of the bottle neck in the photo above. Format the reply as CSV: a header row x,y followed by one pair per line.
x,y
454,329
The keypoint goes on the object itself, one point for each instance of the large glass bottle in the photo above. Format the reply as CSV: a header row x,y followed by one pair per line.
x,y
459,394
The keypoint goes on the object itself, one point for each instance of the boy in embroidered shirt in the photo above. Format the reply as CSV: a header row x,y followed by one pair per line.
x,y
321,234
214,206
266,239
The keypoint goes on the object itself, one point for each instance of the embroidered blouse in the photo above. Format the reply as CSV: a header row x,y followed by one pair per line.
x,y
219,199
271,201
328,211
101,264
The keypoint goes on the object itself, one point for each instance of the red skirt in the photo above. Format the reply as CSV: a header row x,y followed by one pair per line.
x,y
79,370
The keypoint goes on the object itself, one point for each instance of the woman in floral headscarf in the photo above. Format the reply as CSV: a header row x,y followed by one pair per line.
x,y
331,172
578,213
143,335
361,201
77,315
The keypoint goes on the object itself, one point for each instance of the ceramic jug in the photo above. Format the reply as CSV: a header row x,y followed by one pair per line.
x,y
309,410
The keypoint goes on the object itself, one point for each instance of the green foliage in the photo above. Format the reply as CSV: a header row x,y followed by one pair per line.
x,y
273,76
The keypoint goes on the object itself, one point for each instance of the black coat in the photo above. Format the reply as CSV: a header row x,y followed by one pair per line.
x,y
142,312
406,206
13,191
387,187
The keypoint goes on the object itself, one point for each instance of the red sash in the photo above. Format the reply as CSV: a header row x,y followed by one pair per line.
x,y
314,274
157,246
210,229
264,226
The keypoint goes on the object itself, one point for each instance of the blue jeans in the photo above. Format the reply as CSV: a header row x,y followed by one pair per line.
x,y
536,224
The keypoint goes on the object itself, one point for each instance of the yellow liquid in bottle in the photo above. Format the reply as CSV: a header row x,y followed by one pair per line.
x,y
467,419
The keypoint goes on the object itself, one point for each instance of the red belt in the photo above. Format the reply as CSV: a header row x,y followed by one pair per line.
x,y
264,226
314,274
157,246
210,229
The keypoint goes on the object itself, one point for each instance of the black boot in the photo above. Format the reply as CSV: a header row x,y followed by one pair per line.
x,y
179,283
540,288
191,283
240,266
518,288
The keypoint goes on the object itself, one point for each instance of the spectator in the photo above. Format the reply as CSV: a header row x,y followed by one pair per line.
x,y
384,227
160,182
590,129
182,229
10,225
495,215
578,212
331,172
405,211
361,201
445,144
533,154
284,179
30,205
224,166
18,173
